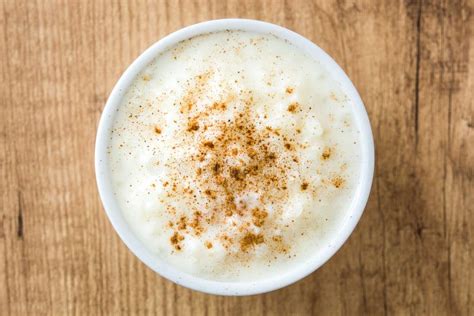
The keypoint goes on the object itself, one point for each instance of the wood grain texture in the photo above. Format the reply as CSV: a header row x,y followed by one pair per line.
x,y
412,252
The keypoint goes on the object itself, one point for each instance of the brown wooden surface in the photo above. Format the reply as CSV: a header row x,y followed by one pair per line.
x,y
412,252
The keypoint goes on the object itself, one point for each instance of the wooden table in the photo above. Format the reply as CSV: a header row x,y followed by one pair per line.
x,y
412,252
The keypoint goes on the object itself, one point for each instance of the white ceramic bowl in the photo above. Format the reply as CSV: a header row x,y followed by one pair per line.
x,y
300,270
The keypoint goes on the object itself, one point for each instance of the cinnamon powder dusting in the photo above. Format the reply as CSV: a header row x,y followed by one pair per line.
x,y
238,159
337,181
293,107
193,126
259,217
175,240
326,153
250,240
304,186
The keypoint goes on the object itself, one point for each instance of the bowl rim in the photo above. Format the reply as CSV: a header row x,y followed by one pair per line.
x,y
302,269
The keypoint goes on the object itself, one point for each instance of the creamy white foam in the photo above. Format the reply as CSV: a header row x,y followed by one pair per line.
x,y
235,156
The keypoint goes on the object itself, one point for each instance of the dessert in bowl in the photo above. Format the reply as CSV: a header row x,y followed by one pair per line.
x,y
234,157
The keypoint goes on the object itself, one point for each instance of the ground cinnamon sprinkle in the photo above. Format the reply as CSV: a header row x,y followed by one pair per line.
x,y
250,240
175,239
289,90
208,144
210,193
277,238
196,223
157,130
219,183
326,153
219,106
193,126
190,106
304,186
259,217
337,181
182,223
293,107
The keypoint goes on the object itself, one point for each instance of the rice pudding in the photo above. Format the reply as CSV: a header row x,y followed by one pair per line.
x,y
234,156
